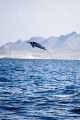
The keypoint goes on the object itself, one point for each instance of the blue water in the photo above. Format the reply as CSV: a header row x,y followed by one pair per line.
x,y
39,89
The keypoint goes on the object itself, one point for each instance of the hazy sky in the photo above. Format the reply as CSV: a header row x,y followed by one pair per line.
x,y
23,19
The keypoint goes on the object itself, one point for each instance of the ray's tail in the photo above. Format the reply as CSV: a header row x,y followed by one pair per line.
x,y
49,53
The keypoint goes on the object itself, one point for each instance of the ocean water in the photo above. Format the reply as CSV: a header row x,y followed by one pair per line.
x,y
39,89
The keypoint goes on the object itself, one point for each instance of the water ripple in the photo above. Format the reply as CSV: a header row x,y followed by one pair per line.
x,y
39,89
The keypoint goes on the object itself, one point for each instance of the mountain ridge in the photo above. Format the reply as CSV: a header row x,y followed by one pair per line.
x,y
64,44
51,42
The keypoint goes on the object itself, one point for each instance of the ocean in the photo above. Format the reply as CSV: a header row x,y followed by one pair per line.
x,y
36,89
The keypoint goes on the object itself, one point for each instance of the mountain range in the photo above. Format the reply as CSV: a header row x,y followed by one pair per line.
x,y
63,47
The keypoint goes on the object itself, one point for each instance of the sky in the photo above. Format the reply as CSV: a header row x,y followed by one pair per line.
x,y
23,19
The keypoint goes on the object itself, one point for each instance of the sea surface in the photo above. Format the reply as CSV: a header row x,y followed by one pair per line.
x,y
32,89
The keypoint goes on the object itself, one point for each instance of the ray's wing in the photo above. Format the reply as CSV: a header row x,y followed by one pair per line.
x,y
32,45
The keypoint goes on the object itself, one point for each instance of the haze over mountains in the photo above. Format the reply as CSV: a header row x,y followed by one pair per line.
x,y
63,47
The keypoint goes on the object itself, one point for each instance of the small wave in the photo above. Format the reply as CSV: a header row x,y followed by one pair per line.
x,y
10,108
62,96
3,79
71,95
76,110
77,93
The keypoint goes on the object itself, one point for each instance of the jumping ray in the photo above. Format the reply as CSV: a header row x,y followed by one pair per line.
x,y
35,44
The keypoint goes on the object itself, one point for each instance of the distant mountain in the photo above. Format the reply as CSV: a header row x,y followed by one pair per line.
x,y
21,45
68,44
